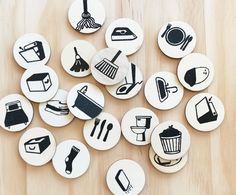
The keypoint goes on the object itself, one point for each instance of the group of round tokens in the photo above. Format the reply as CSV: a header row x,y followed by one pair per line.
x,y
170,140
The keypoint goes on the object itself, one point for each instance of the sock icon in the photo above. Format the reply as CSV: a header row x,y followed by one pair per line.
x,y
70,158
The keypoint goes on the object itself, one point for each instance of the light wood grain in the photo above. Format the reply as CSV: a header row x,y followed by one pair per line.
x,y
211,167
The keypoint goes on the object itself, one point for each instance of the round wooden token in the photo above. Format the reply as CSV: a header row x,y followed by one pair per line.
x,y
86,16
31,50
16,112
205,112
176,39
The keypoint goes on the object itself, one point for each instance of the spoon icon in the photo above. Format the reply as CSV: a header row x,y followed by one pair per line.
x,y
109,128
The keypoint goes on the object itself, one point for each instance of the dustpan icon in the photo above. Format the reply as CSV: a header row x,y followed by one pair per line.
x,y
163,89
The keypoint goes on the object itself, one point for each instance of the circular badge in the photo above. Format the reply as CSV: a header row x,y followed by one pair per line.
x,y
163,90
109,66
130,86
205,112
55,112
86,16
16,112
37,146
195,72
124,34
137,125
76,58
103,132
71,159
31,50
39,83
170,140
85,101
176,39
125,177
167,166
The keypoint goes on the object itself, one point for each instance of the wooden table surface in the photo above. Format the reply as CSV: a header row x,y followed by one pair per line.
x,y
211,166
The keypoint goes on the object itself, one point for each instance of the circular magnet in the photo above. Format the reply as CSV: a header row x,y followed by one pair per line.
x,y
170,140
167,166
39,83
85,101
37,146
109,66
137,125
71,159
86,16
124,34
76,58
16,112
55,112
103,132
195,72
163,90
176,39
130,86
31,50
125,177
205,112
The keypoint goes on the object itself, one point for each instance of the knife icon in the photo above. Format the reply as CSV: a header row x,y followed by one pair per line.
x,y
101,128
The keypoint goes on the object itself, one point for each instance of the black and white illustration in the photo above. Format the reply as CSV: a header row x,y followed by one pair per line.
x,y
170,140
137,125
37,146
204,112
55,112
39,83
85,101
71,159
163,90
167,166
76,57
109,66
123,181
17,112
31,50
86,16
195,72
176,39
102,132
74,151
125,177
124,34
130,86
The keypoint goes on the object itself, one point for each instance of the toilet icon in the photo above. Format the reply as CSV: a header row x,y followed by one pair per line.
x,y
142,124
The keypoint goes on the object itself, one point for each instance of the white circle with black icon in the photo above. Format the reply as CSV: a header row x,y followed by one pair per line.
x,y
76,58
37,146
167,166
71,159
39,83
125,177
109,66
195,72
170,140
137,125
177,39
163,90
85,101
205,112
86,16
124,34
55,111
16,112
103,132
129,86
31,50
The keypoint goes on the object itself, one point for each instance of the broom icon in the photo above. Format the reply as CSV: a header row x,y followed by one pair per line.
x,y
80,64
87,21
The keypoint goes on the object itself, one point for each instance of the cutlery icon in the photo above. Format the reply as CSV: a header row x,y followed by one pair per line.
x,y
109,128
101,128
96,122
